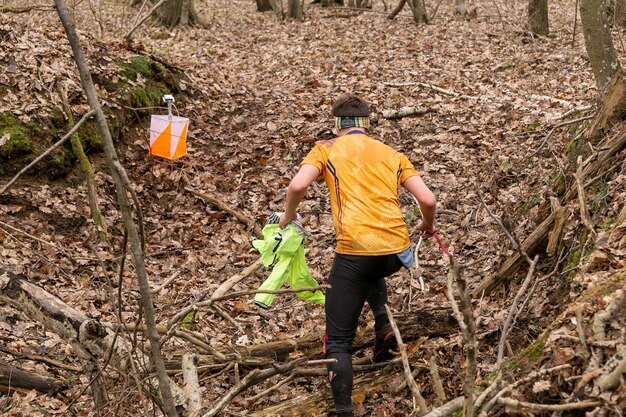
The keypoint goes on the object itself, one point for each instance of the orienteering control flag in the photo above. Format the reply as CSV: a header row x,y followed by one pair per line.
x,y
168,136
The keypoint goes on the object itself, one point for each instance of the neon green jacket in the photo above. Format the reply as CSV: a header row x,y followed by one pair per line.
x,y
285,249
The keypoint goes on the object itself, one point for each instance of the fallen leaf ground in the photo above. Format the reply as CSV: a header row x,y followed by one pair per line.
x,y
257,93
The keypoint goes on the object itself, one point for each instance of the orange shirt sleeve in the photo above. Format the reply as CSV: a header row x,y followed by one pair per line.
x,y
316,157
407,169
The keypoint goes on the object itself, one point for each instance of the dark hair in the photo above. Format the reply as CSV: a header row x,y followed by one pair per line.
x,y
350,105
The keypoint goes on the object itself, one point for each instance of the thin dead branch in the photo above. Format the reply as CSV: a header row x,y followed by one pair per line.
x,y
512,310
415,389
521,405
254,377
530,377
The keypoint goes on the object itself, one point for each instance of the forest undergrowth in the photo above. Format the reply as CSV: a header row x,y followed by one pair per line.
x,y
504,118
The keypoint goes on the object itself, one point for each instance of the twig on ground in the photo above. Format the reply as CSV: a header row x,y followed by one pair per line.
x,y
230,282
434,373
254,377
165,283
254,398
222,205
415,389
516,245
521,405
48,151
448,408
533,375
512,310
572,111
36,358
227,317
560,125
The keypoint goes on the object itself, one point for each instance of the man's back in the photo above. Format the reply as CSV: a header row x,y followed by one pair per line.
x,y
363,176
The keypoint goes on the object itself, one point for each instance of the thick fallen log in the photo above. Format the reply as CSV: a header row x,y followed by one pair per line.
x,y
89,337
431,322
15,379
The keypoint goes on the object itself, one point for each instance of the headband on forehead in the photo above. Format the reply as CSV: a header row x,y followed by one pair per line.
x,y
349,121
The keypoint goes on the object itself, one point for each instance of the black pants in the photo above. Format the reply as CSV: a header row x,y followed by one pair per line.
x,y
353,279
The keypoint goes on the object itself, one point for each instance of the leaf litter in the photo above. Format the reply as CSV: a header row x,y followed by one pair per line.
x,y
258,91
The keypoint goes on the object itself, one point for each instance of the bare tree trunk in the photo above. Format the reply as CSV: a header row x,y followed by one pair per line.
x,y
122,187
175,12
294,9
263,5
460,7
396,10
538,17
595,21
418,7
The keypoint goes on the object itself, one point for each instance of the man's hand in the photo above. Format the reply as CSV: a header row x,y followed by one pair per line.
x,y
427,229
284,220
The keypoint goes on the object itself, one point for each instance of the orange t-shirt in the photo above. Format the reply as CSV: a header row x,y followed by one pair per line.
x,y
363,176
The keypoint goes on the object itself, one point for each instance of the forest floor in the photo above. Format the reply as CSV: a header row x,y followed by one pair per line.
x,y
257,91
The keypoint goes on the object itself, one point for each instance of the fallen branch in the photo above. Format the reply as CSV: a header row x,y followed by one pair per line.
x,y
425,85
254,377
42,359
222,205
230,282
165,283
88,337
533,375
512,310
434,372
448,408
558,126
26,9
404,112
521,405
16,379
191,389
415,389
48,151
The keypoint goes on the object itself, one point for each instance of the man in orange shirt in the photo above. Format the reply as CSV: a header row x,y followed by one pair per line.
x,y
363,176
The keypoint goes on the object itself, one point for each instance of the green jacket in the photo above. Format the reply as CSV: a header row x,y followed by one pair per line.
x,y
285,249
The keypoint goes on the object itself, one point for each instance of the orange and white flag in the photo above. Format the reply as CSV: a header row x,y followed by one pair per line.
x,y
168,136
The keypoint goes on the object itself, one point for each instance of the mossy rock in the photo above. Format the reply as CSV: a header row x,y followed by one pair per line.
x,y
16,143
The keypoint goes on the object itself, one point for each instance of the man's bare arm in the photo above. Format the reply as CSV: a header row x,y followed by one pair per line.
x,y
426,200
296,192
